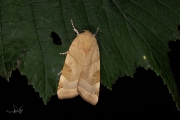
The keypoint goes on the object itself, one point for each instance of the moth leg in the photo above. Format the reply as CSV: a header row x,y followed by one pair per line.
x,y
96,32
75,30
59,72
64,53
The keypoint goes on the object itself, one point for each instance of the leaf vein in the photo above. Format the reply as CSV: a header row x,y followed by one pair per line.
x,y
168,8
152,15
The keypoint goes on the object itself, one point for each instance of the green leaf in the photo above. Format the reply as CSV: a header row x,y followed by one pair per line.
x,y
132,33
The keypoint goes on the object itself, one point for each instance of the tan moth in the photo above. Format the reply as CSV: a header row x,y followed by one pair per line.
x,y
81,71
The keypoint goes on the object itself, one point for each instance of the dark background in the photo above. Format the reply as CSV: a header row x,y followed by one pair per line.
x,y
143,98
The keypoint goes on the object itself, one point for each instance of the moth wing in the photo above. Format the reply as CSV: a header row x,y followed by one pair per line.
x,y
89,81
67,87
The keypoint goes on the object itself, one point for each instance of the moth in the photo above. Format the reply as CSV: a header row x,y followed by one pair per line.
x,y
81,71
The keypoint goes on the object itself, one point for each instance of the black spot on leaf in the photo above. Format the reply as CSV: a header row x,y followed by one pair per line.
x,y
56,38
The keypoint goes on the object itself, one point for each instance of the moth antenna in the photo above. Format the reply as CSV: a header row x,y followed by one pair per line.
x,y
75,30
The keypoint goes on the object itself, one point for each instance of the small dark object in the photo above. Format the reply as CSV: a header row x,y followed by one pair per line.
x,y
56,38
